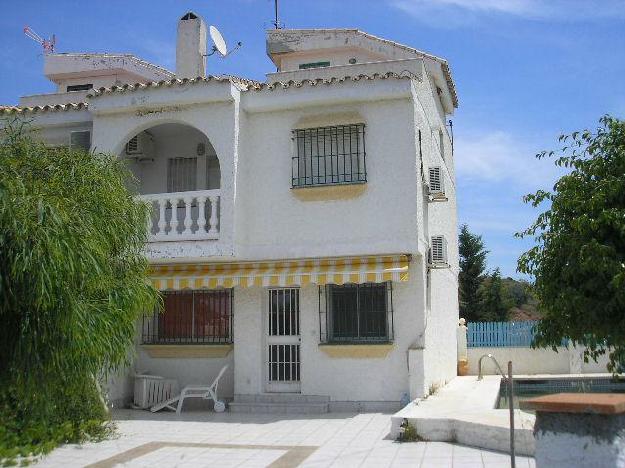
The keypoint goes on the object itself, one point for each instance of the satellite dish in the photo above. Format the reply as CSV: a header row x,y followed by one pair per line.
x,y
218,41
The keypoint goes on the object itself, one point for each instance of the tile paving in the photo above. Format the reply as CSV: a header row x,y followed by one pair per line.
x,y
198,439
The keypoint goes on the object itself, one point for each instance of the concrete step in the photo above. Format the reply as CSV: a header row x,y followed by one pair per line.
x,y
279,408
283,398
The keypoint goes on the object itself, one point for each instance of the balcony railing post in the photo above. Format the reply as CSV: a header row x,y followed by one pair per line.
x,y
162,222
174,216
188,201
213,214
150,221
201,217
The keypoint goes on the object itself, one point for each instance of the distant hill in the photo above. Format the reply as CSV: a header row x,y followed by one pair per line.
x,y
523,302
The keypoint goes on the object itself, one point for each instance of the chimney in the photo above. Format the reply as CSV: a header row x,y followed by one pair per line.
x,y
191,47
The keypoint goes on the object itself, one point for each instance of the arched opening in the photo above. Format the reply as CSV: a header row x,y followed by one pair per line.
x,y
177,170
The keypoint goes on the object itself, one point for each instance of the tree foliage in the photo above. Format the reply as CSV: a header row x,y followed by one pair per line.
x,y
472,270
578,261
495,299
72,285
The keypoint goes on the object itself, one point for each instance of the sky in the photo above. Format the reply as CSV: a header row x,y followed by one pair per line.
x,y
526,71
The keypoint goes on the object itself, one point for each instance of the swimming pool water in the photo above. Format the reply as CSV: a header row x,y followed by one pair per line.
x,y
524,389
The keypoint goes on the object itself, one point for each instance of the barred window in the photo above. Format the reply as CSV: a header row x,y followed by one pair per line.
x,y
181,174
329,155
356,312
191,317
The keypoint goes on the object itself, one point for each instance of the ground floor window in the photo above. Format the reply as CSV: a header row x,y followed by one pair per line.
x,y
191,317
356,312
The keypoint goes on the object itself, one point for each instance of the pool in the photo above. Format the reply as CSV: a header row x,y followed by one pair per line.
x,y
524,389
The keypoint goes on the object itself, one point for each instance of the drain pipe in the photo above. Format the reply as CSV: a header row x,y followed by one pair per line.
x,y
511,409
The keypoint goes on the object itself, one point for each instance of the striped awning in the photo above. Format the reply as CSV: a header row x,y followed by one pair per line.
x,y
284,273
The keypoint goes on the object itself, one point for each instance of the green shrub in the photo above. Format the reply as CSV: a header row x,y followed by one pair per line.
x,y
73,282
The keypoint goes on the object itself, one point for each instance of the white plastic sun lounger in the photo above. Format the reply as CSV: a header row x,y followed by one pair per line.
x,y
208,392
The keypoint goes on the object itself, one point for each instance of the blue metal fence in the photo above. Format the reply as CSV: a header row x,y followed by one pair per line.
x,y
494,334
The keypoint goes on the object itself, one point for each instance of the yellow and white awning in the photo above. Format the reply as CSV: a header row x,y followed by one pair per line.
x,y
320,271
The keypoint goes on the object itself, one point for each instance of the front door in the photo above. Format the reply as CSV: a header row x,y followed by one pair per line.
x,y
283,341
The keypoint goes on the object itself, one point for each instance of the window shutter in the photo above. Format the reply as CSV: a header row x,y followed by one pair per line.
x,y
80,139
438,250
181,175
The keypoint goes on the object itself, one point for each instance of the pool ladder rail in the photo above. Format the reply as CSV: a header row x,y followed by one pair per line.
x,y
479,366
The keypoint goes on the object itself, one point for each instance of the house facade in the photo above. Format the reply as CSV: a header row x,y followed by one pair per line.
x,y
303,229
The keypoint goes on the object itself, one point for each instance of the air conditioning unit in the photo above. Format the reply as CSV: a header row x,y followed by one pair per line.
x,y
437,254
436,184
140,146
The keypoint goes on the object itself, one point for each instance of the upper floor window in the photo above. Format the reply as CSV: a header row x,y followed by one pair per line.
x,y
329,155
80,139
181,174
80,87
191,317
441,142
305,66
357,313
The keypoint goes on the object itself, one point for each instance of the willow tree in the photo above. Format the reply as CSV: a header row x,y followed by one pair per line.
x,y
72,286
578,261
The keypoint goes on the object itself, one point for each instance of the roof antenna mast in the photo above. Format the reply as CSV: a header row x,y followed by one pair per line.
x,y
47,44
276,21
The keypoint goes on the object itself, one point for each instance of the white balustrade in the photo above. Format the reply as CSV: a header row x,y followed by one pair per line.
x,y
182,216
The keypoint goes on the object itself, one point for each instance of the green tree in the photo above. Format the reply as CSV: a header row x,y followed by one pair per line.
x,y
73,282
578,261
472,270
516,292
494,305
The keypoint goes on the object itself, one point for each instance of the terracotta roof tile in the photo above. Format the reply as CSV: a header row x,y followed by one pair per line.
x,y
46,108
242,82
325,81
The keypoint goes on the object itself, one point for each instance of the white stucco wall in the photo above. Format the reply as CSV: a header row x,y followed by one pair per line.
x,y
189,370
383,379
276,223
262,217
530,361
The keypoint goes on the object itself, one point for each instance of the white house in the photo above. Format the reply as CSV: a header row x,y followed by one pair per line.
x,y
303,228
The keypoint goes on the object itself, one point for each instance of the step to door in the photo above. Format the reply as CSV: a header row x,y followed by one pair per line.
x,y
278,408
280,403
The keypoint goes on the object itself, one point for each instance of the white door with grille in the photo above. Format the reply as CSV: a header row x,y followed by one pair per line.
x,y
282,331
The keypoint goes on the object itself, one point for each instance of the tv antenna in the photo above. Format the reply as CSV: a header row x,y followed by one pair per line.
x,y
219,43
276,12
47,44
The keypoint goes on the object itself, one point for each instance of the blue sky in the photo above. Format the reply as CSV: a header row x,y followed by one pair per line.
x,y
526,71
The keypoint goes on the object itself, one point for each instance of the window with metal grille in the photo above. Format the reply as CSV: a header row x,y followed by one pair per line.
x,y
181,174
191,317
79,87
305,66
356,312
329,155
80,139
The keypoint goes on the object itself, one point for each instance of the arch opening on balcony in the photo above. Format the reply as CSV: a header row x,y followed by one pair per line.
x,y
178,173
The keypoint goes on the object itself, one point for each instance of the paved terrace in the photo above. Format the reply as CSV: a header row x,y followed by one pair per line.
x,y
198,439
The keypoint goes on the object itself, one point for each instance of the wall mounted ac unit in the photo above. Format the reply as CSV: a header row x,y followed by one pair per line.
x,y
436,184
140,146
437,254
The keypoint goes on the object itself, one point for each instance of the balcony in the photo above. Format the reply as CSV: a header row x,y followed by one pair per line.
x,y
183,216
